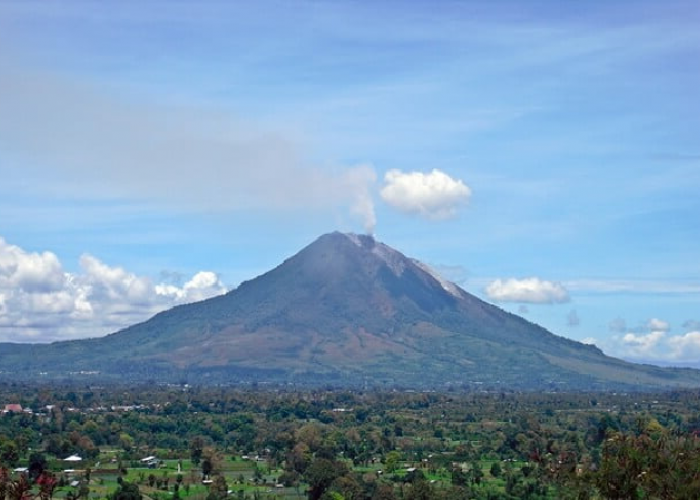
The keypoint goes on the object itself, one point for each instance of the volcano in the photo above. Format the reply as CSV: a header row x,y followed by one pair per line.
x,y
346,310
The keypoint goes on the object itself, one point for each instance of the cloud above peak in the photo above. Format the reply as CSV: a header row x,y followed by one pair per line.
x,y
531,290
434,195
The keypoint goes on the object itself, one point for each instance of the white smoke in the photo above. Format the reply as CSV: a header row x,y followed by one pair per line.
x,y
358,181
185,157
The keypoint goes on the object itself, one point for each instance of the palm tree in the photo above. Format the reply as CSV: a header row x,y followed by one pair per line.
x,y
47,482
19,489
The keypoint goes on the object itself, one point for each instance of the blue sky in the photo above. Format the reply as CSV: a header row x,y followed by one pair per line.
x,y
543,155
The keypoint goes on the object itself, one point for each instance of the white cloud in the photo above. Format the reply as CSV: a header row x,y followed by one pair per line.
x,y
29,272
435,195
655,324
203,285
651,343
685,347
532,290
642,345
40,302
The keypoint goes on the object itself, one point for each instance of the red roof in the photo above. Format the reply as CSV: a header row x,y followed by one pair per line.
x,y
17,408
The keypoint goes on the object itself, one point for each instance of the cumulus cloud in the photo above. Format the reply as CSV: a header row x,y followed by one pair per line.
x,y
642,345
532,290
40,301
434,195
35,272
650,341
655,324
685,347
203,285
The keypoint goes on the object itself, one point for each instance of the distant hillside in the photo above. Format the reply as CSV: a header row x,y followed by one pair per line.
x,y
345,310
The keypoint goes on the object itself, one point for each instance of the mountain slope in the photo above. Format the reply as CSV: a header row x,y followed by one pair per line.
x,y
348,310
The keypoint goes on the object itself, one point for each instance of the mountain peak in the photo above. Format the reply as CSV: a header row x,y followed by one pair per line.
x,y
346,309
393,259
361,240
398,262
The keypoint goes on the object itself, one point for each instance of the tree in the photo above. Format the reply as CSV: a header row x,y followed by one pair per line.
x,y
84,491
476,472
459,477
207,467
196,449
420,489
320,474
392,460
218,489
495,469
348,487
288,478
126,442
47,483
9,454
383,491
640,466
37,464
126,491
19,489
4,482
257,474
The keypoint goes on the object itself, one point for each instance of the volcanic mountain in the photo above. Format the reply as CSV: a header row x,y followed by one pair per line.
x,y
346,310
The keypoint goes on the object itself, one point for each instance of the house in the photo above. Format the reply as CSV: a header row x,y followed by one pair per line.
x,y
73,458
151,462
12,408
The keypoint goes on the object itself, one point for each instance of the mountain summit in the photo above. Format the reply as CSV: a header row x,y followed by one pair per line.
x,y
345,310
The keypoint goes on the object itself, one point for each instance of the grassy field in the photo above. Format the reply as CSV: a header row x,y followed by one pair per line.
x,y
180,478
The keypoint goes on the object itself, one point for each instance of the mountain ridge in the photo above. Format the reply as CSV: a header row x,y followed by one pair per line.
x,y
351,310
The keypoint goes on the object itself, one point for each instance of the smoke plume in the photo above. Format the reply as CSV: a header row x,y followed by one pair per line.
x,y
359,181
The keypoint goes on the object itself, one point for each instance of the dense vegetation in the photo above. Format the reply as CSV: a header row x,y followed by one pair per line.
x,y
274,443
